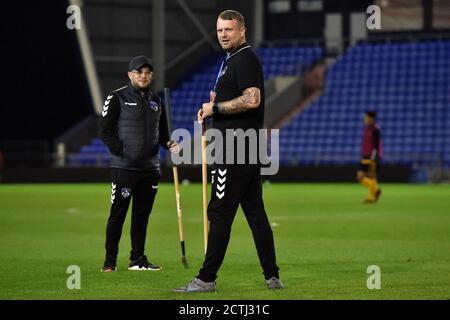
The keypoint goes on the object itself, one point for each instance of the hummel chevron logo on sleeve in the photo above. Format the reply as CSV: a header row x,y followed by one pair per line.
x,y
113,192
106,105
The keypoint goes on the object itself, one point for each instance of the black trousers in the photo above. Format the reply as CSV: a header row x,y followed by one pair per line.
x,y
233,185
142,187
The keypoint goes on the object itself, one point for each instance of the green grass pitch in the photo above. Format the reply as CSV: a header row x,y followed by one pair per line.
x,y
325,240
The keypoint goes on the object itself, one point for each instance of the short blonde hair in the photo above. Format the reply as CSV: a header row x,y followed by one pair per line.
x,y
233,15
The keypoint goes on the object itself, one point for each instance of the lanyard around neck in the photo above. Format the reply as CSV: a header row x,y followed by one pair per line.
x,y
228,57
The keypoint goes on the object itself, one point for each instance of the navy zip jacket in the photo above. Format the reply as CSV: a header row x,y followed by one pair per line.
x,y
133,126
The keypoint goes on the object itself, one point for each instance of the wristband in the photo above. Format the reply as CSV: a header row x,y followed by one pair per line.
x,y
215,108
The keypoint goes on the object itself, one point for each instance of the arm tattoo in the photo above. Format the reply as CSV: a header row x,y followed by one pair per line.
x,y
250,99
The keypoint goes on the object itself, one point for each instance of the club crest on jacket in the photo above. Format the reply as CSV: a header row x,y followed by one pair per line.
x,y
153,105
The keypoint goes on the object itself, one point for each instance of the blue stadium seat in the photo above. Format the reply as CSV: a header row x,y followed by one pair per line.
x,y
407,83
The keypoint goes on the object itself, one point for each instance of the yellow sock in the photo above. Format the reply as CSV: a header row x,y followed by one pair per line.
x,y
366,182
371,185
373,188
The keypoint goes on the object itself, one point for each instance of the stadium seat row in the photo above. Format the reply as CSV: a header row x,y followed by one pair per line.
x,y
407,83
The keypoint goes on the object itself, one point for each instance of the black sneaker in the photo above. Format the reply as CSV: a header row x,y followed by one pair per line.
x,y
142,264
109,266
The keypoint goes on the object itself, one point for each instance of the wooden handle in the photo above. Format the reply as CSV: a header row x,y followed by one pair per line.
x,y
205,193
178,200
